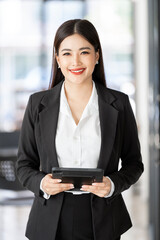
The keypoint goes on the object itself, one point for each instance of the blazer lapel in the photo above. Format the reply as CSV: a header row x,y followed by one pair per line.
x,y
108,122
48,122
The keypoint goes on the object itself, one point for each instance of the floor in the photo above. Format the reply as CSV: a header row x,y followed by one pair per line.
x,y
138,209
13,219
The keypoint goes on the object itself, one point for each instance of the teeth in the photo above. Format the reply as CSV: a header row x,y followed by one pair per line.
x,y
78,71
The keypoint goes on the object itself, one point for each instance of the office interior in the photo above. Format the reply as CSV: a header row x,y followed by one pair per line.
x,y
129,33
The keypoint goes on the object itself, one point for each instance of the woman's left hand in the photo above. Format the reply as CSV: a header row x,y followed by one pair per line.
x,y
100,189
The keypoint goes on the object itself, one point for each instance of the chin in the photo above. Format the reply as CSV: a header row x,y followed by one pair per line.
x,y
76,81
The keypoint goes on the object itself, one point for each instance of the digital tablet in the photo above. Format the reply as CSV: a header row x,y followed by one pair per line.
x,y
78,176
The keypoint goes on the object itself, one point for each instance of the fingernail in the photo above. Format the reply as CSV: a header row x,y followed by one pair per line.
x,y
59,180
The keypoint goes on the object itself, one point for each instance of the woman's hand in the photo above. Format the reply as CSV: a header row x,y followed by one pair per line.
x,y
53,186
100,189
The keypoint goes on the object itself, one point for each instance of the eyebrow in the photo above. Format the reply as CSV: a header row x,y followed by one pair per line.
x,y
83,48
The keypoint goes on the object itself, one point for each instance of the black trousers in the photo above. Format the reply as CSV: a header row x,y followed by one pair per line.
x,y
75,221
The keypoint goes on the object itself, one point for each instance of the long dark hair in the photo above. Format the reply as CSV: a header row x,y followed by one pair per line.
x,y
86,30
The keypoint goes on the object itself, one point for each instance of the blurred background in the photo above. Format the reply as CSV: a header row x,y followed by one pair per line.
x,y
129,31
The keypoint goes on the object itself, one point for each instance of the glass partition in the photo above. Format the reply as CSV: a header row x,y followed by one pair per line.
x,y
27,30
115,24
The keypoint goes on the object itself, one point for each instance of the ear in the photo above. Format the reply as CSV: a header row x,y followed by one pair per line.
x,y
97,55
57,59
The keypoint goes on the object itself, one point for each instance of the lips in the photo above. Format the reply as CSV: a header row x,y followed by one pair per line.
x,y
77,71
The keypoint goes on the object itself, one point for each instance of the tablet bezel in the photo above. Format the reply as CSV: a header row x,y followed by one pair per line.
x,y
78,176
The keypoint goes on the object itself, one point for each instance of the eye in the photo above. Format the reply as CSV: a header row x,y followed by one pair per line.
x,y
84,52
66,54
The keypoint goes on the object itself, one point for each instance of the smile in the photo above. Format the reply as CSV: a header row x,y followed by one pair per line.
x,y
77,71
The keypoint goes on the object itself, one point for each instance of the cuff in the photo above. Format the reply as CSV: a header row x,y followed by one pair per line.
x,y
45,195
112,189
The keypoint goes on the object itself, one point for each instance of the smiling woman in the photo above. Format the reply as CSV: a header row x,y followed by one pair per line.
x,y
76,56
66,45
78,123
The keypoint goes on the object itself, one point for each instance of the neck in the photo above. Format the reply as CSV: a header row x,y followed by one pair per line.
x,y
78,92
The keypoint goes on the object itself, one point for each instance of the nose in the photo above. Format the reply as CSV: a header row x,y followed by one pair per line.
x,y
76,60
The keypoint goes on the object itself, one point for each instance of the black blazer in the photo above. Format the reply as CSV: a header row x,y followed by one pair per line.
x,y
37,156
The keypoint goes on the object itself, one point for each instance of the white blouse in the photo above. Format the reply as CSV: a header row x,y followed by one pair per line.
x,y
78,145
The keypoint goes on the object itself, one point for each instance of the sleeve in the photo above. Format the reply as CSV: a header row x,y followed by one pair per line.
x,y
28,162
45,195
112,189
132,166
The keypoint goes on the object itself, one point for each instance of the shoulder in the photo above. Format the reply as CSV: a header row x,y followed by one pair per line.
x,y
119,96
41,99
121,100
116,93
38,96
34,103
47,95
115,98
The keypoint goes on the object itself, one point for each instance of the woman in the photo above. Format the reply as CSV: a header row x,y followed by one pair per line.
x,y
78,122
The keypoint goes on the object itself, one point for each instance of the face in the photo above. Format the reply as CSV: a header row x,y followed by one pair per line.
x,y
77,59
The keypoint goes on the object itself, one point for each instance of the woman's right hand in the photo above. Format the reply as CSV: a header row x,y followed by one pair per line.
x,y
53,186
